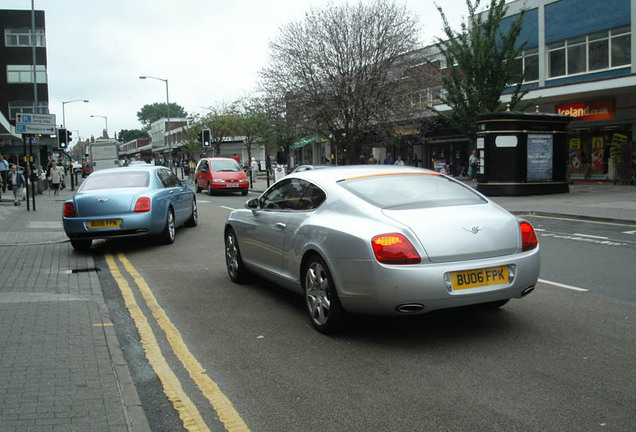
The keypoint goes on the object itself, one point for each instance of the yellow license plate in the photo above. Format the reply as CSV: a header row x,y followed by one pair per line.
x,y
479,277
104,223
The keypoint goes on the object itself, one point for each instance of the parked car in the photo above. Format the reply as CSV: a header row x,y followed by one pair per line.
x,y
220,175
386,240
139,201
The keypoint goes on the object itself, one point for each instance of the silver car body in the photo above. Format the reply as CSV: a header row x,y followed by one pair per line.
x,y
471,233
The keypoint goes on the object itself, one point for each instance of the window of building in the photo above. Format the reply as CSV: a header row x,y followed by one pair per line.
x,y
16,107
23,74
21,37
528,62
594,52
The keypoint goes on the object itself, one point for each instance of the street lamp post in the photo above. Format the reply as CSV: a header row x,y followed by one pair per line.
x,y
105,118
64,126
167,131
63,111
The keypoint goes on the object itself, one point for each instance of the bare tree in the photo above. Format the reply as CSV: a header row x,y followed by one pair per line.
x,y
340,69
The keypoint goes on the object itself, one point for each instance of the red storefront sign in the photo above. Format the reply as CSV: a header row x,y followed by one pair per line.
x,y
594,110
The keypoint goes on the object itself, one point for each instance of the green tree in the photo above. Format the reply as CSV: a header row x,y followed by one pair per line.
x,y
252,123
222,120
150,113
126,135
338,70
482,63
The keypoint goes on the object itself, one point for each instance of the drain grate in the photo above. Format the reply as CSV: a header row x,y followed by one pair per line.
x,y
83,270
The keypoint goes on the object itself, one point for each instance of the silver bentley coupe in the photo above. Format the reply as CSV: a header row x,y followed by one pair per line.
x,y
384,240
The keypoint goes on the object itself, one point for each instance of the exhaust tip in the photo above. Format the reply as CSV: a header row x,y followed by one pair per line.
x,y
527,291
410,308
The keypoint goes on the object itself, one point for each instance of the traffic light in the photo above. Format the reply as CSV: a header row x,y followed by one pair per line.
x,y
62,138
69,136
206,138
200,137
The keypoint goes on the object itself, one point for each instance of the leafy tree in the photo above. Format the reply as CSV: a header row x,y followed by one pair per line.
x,y
251,122
482,63
126,135
153,112
338,71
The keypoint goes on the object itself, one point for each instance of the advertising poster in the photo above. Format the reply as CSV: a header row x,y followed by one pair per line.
x,y
598,151
540,149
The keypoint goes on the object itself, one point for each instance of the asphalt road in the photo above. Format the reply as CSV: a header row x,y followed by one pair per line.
x,y
557,360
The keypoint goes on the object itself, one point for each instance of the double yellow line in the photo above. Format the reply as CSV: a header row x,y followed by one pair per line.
x,y
188,412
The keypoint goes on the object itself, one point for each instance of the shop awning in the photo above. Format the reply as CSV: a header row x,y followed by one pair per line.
x,y
304,141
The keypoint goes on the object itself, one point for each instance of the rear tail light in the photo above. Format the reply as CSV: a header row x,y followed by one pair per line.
x,y
69,210
528,237
394,249
142,205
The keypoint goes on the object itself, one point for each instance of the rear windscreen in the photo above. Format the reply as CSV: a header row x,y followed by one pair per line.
x,y
117,180
411,190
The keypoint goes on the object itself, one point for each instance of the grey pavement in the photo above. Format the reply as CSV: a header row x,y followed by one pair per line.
x,y
61,365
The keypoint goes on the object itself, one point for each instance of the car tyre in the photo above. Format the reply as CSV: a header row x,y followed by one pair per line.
x,y
194,218
210,191
233,259
244,192
81,245
169,232
321,298
198,188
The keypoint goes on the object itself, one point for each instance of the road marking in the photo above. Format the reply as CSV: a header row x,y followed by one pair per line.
x,y
560,285
590,236
221,404
188,412
627,224
629,232
227,208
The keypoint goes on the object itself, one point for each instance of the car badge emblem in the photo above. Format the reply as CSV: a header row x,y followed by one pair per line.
x,y
474,229
102,200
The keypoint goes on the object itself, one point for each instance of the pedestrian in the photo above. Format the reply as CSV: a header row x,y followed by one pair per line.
x,y
254,170
17,183
55,176
237,159
399,161
4,171
388,160
473,165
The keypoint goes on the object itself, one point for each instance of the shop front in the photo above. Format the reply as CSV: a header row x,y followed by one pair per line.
x,y
599,141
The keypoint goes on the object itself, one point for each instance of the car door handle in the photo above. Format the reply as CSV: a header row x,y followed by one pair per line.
x,y
281,225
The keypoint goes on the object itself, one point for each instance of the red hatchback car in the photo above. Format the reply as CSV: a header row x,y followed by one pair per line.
x,y
220,175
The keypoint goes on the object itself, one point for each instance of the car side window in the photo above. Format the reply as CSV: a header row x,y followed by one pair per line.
x,y
312,198
168,179
287,195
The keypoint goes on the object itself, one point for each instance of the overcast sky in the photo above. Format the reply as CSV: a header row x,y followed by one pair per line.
x,y
209,50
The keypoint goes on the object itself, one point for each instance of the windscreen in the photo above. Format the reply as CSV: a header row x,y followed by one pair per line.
x,y
116,180
225,165
411,190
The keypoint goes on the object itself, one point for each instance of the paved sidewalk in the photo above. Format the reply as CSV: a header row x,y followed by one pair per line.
x,y
61,365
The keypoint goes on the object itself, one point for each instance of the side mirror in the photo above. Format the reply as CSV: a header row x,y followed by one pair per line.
x,y
252,204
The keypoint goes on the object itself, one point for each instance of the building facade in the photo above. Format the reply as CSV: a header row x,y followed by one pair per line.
x,y
18,94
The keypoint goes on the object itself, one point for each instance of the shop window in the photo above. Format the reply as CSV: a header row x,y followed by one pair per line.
x,y
621,47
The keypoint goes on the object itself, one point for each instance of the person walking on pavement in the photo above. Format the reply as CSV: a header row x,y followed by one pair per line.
x,y
17,183
56,176
473,164
399,161
388,160
254,170
4,171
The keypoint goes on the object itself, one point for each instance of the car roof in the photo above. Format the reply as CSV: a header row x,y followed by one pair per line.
x,y
136,167
336,173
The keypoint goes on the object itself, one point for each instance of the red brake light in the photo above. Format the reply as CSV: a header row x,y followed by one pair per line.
x,y
69,210
142,205
528,237
394,249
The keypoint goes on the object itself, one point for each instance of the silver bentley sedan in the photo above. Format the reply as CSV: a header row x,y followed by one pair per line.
x,y
386,240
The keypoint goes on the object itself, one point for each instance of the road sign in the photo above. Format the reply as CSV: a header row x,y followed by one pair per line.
x,y
35,129
35,119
